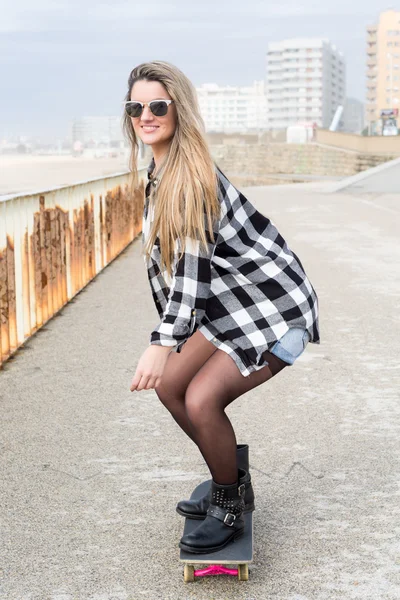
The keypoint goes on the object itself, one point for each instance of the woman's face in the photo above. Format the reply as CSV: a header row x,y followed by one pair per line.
x,y
156,132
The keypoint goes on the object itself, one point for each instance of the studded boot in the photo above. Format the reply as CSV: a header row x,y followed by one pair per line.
x,y
224,521
197,509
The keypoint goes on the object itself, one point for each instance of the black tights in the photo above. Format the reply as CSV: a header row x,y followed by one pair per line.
x,y
196,387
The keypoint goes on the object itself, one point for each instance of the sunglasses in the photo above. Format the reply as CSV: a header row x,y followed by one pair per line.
x,y
159,108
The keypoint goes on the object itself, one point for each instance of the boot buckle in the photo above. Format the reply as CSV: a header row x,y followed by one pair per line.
x,y
229,519
241,489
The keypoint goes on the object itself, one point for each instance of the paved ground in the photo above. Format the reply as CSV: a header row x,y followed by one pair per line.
x,y
383,179
91,473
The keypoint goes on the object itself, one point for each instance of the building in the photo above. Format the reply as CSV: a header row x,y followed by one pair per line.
x,y
352,120
383,69
95,131
231,109
305,81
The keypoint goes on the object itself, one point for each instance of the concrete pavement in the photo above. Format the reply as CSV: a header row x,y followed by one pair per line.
x,y
91,473
382,179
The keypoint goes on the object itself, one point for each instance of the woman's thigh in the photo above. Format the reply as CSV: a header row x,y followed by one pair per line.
x,y
220,381
181,368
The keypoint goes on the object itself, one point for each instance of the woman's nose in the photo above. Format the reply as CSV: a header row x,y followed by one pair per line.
x,y
147,114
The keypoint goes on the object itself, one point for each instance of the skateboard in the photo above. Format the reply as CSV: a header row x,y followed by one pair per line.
x,y
238,552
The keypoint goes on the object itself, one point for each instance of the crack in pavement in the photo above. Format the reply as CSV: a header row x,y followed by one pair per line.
x,y
292,467
48,468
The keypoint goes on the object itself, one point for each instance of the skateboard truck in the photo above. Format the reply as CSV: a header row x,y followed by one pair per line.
x,y
190,573
215,570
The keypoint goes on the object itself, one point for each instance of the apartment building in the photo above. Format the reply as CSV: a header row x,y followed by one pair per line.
x,y
383,69
231,109
305,81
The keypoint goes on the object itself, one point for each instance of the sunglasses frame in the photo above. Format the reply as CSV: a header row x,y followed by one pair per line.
x,y
143,104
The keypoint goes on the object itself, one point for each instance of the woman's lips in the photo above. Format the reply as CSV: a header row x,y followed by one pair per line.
x,y
149,129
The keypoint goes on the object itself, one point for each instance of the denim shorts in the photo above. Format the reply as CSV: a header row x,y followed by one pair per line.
x,y
291,345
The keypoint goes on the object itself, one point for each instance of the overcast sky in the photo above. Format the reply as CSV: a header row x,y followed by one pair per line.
x,y
61,59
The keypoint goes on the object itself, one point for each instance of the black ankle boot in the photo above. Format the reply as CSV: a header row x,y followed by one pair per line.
x,y
197,509
224,521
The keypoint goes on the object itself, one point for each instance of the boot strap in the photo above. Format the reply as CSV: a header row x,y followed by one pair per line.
x,y
222,514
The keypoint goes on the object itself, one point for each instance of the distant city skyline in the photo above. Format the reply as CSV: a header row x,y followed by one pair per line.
x,y
65,60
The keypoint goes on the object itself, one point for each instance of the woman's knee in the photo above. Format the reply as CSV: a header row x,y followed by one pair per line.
x,y
171,387
168,392
199,407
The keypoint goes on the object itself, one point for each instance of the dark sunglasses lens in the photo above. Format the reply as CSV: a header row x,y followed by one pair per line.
x,y
159,108
134,109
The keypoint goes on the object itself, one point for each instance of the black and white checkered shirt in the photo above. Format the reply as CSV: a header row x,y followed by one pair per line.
x,y
243,296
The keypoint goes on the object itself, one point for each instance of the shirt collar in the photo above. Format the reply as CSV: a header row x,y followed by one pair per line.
x,y
150,168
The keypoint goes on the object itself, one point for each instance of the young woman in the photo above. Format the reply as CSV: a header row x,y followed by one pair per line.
x,y
234,302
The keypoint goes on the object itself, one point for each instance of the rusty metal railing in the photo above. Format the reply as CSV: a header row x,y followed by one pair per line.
x,y
53,243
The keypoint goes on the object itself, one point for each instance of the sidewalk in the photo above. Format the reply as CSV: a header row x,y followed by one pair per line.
x,y
91,473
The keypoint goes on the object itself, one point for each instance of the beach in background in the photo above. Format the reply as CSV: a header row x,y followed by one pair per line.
x,y
33,173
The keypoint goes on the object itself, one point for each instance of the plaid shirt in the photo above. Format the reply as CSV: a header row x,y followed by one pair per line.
x,y
244,294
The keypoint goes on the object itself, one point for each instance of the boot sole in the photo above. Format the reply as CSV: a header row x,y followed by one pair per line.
x,y
192,550
197,517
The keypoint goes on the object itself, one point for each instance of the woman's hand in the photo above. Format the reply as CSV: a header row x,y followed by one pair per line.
x,y
150,368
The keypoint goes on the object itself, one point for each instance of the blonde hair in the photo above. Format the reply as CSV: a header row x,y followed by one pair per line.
x,y
188,188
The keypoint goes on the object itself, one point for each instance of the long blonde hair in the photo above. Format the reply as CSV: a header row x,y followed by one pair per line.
x,y
188,188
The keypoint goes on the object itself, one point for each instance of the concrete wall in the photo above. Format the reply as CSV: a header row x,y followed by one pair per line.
x,y
359,143
253,164
263,137
54,242
345,141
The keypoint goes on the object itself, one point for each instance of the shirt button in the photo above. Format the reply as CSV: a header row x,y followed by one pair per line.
x,y
214,339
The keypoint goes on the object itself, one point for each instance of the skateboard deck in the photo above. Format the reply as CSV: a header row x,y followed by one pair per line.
x,y
238,552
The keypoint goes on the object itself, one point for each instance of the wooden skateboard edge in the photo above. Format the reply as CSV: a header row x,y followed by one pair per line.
x,y
214,562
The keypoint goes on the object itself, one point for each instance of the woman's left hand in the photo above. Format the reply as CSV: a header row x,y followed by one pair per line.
x,y
150,368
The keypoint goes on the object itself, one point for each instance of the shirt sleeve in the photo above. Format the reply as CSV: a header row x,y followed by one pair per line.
x,y
158,286
189,290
